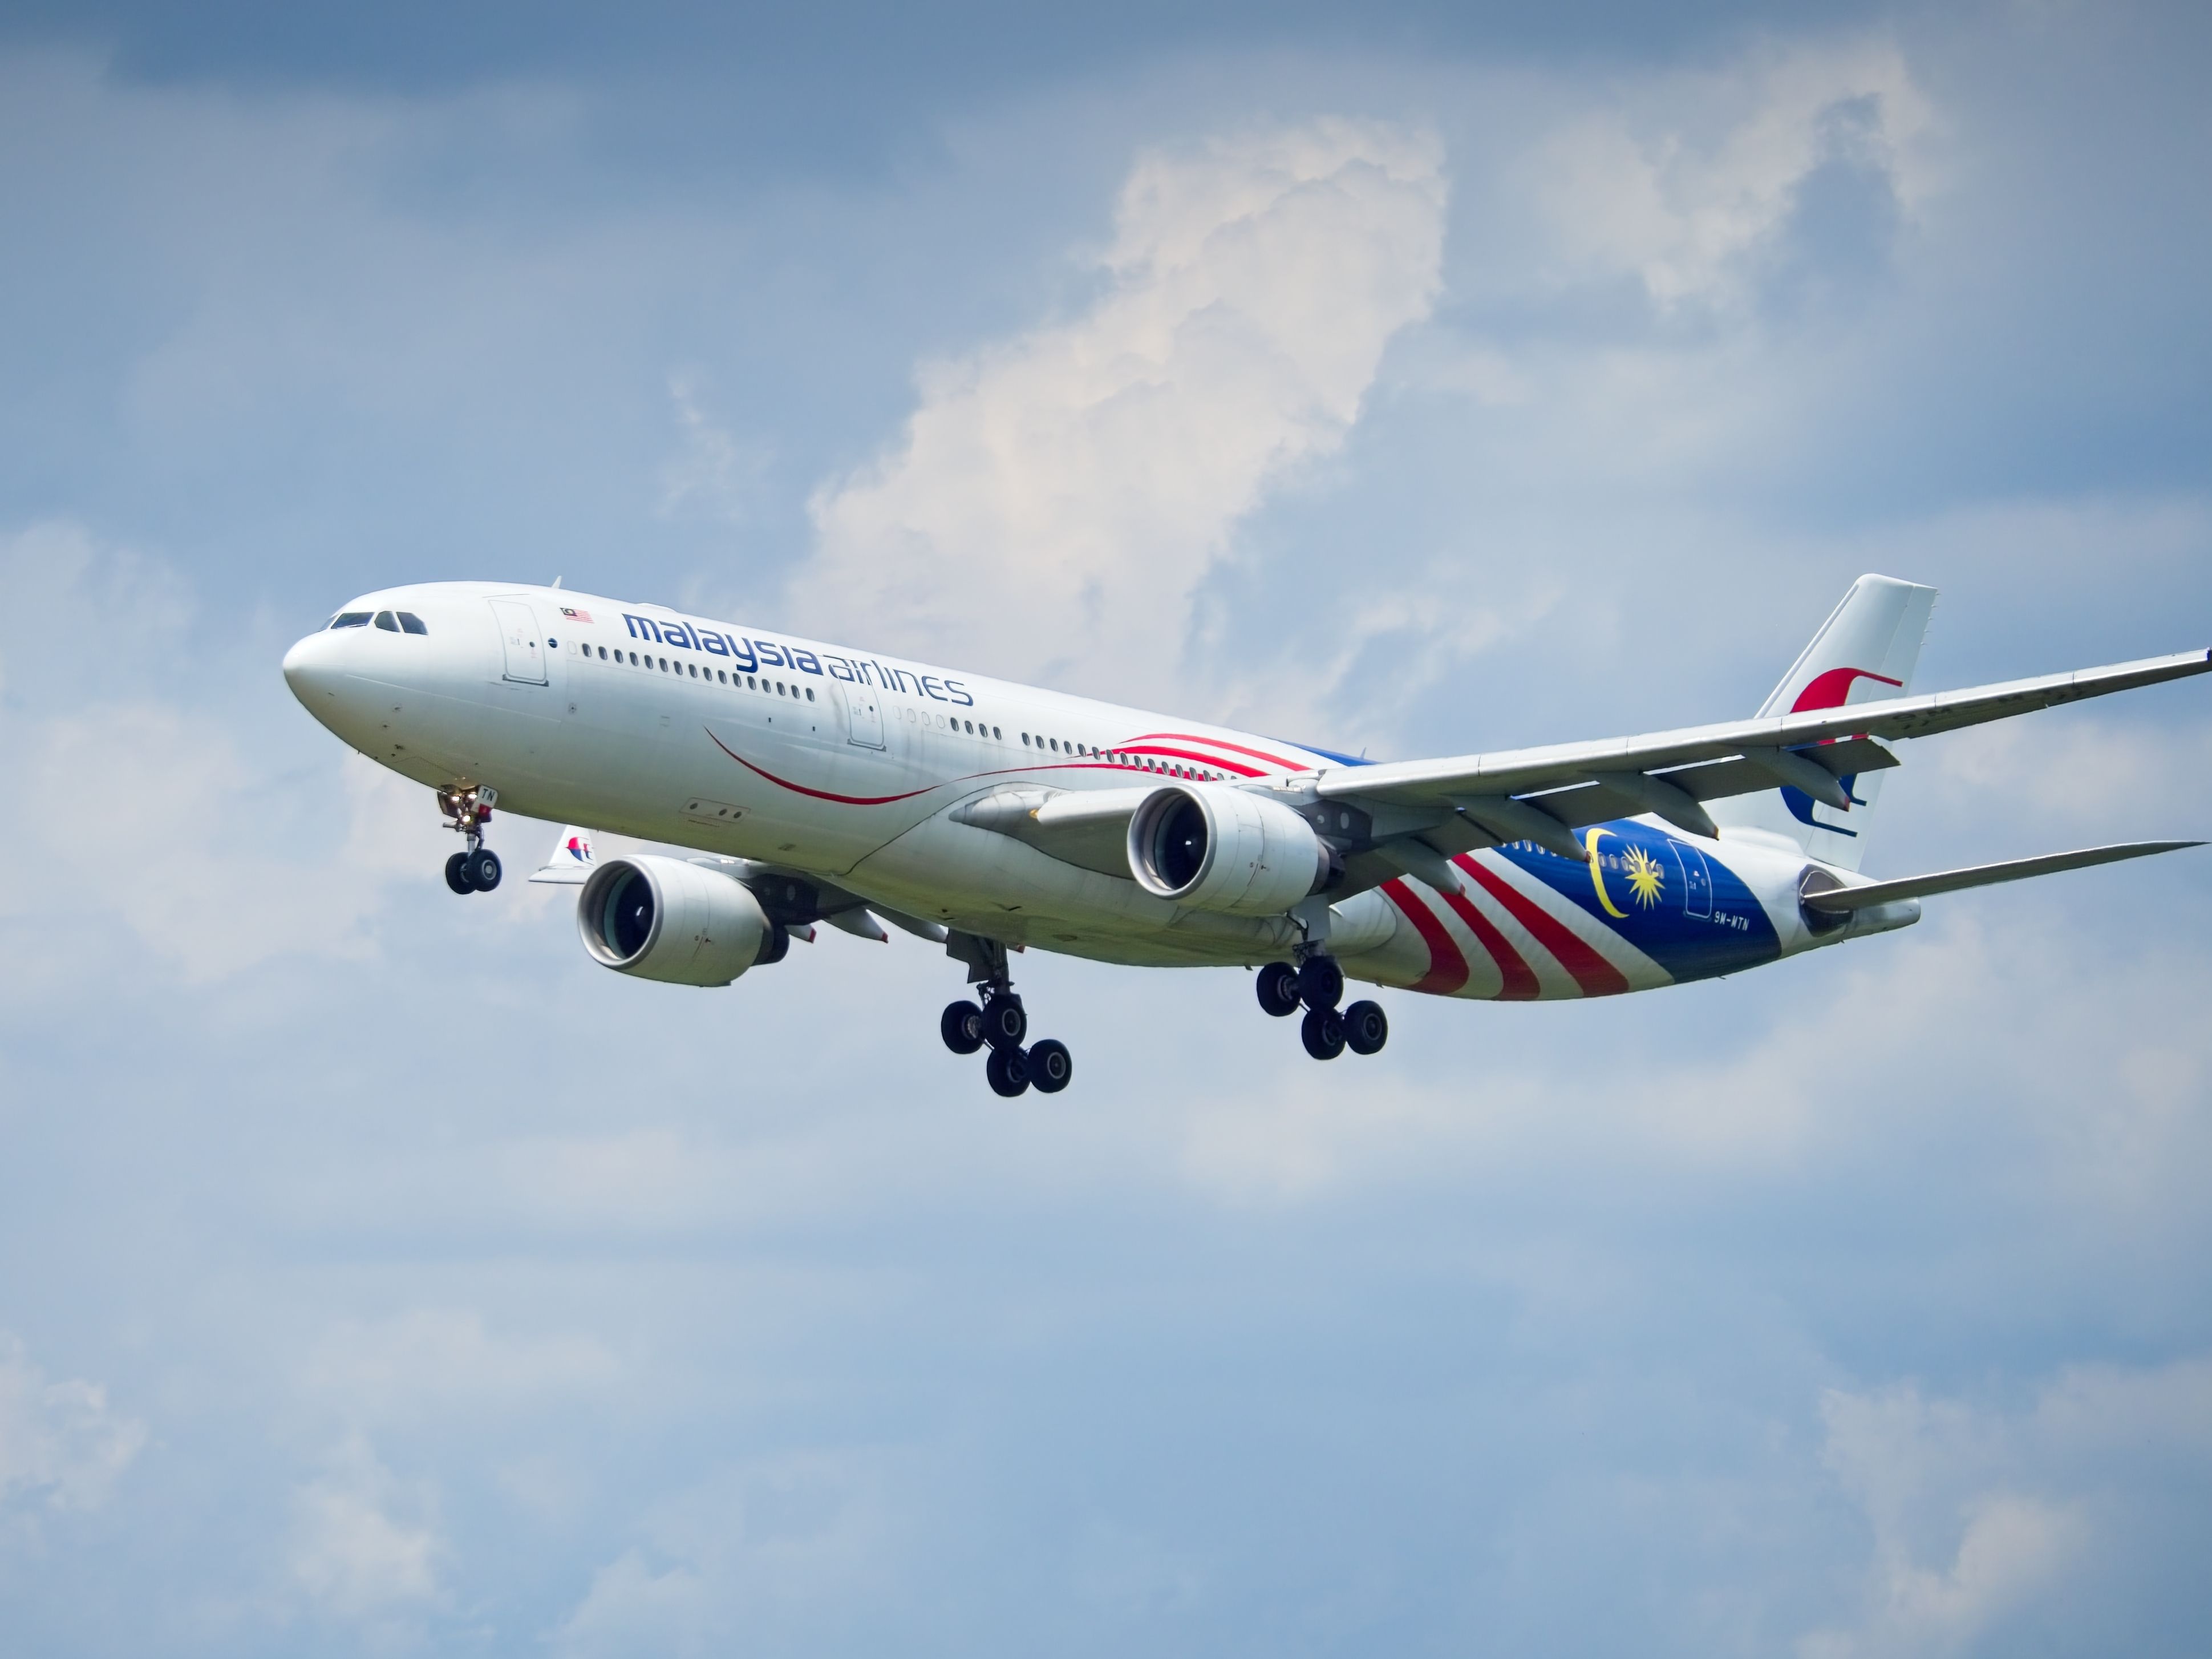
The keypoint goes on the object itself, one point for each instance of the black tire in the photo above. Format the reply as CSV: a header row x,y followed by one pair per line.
x,y
961,1025
1321,982
1279,989
457,873
1367,1027
1004,1024
1008,1072
1050,1066
484,869
1322,1032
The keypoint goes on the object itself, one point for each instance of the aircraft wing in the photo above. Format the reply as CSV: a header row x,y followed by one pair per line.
x,y
1537,793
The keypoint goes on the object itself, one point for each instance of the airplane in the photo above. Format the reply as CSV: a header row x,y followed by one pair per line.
x,y
809,783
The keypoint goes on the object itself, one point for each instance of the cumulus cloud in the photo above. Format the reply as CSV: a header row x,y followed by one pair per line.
x,y
1977,1511
711,473
364,1542
61,1443
147,809
1057,498
782,1552
1688,187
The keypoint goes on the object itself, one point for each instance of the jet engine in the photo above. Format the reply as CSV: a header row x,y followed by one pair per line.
x,y
661,918
1226,850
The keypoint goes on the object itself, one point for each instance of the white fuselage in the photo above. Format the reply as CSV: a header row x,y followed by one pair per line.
x,y
635,720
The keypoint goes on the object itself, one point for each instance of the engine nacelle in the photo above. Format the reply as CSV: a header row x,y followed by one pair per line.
x,y
664,919
1226,850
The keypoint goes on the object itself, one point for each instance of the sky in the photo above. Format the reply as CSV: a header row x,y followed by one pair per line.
x,y
378,1275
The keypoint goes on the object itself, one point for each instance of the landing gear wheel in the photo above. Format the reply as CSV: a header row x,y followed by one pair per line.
x,y
1050,1066
483,869
1322,1032
1321,982
1004,1024
1278,988
961,1027
1366,1029
457,873
1008,1071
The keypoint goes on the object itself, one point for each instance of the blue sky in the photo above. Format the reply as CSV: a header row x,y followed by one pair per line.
x,y
377,1274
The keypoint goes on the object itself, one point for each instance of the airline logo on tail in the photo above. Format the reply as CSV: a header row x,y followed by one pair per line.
x,y
1830,689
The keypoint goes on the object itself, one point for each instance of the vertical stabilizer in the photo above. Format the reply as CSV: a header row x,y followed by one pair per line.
x,y
1865,651
572,860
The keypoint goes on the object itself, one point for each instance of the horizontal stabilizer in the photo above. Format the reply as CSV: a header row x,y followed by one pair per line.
x,y
1841,901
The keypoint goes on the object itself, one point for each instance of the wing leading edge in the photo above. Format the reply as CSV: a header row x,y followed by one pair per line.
x,y
1520,793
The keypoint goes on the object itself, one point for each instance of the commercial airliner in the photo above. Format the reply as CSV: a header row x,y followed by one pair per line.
x,y
805,783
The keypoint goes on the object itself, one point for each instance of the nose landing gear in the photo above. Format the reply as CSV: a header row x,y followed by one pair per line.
x,y
1001,1022
1316,984
477,868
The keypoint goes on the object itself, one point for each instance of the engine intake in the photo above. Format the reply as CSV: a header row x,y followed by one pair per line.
x,y
666,920
1226,850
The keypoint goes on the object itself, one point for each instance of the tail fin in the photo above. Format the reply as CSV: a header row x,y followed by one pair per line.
x,y
1865,650
569,864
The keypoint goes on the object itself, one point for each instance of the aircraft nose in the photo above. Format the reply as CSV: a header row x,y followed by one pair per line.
x,y
311,672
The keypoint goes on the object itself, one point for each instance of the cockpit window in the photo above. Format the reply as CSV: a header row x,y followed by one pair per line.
x,y
350,619
411,623
387,622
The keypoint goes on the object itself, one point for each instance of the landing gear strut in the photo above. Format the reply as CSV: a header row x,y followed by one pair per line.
x,y
1000,1022
476,868
1315,983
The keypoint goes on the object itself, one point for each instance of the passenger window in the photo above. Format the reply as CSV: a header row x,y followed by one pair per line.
x,y
997,733
603,654
694,667
632,659
350,619
751,685
387,622
1053,744
1025,740
719,677
809,694
411,623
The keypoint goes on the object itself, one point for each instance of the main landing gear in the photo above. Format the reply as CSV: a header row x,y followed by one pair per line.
x,y
1000,1023
1316,984
476,869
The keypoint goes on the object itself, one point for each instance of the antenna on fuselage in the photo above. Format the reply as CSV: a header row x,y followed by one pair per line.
x,y
556,581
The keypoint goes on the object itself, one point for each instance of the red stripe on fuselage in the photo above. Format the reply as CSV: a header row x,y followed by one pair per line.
x,y
1237,766
1517,979
1591,972
1221,742
818,794
1448,969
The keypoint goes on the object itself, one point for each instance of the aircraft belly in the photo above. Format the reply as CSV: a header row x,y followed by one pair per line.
x,y
1000,888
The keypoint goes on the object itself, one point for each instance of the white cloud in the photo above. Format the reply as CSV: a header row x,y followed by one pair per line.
x,y
60,1441
711,473
1057,498
632,1608
363,1542
1688,182
145,807
776,1555
1977,1512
